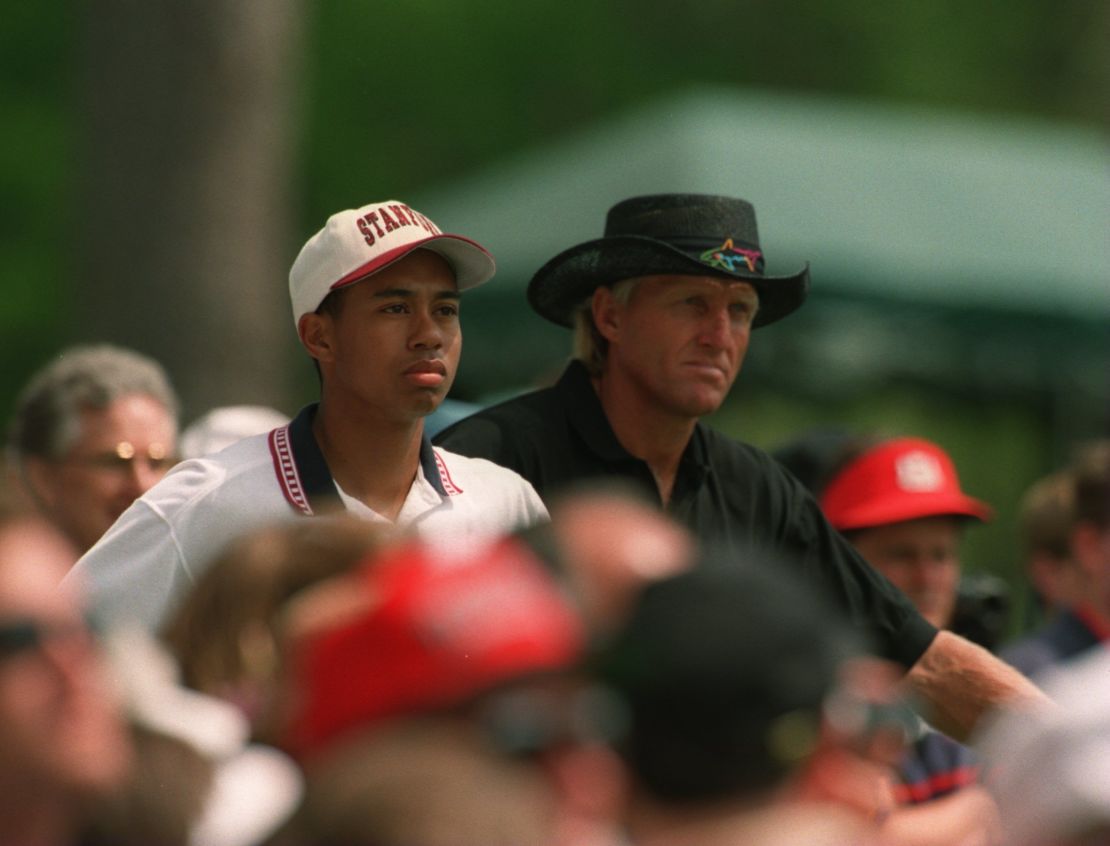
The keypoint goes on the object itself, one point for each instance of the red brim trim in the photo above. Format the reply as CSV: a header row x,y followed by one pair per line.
x,y
913,507
387,258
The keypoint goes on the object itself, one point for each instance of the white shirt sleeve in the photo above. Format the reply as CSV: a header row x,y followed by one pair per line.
x,y
132,573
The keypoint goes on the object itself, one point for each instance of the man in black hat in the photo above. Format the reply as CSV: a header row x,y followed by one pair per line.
x,y
662,307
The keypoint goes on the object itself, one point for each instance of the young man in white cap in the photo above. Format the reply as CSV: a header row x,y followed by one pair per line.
x,y
663,306
375,300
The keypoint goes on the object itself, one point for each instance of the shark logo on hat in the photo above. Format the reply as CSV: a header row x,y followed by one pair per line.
x,y
728,257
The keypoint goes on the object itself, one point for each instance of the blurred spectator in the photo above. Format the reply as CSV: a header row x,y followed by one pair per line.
x,y
981,604
744,723
1051,770
815,456
1045,519
423,781
607,541
92,431
224,634
389,666
62,741
900,503
375,302
197,781
444,626
1079,628
221,427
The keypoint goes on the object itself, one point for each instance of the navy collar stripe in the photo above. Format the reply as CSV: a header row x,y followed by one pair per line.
x,y
303,474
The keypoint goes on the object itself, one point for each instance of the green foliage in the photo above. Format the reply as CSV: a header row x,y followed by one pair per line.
x,y
413,93
416,93
36,43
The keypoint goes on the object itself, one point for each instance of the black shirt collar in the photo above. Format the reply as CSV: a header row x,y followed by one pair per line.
x,y
586,415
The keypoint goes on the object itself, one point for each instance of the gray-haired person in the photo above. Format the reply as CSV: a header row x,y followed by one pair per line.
x,y
91,431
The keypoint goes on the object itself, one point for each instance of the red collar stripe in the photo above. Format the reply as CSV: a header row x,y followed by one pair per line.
x,y
448,484
286,469
935,786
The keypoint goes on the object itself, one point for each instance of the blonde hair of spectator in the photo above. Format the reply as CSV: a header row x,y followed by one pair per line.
x,y
224,635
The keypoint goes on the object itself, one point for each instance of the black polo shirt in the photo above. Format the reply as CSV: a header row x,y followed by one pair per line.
x,y
725,491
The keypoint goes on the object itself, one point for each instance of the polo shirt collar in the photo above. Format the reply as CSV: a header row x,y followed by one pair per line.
x,y
587,416
303,473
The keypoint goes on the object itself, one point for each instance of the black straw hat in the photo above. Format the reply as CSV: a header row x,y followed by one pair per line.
x,y
690,234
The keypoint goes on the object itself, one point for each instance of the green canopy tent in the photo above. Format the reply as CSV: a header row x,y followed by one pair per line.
x,y
965,249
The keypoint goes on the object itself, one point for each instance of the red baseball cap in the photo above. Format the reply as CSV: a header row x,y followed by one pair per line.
x,y
438,628
900,479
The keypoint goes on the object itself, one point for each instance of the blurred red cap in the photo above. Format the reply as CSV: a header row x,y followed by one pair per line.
x,y
900,479
439,628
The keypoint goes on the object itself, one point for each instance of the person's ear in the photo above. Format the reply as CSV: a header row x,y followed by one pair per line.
x,y
606,311
315,332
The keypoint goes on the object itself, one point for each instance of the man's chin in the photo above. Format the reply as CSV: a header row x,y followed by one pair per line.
x,y
426,403
702,403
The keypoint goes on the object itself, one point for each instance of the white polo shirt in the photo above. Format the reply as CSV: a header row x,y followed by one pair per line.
x,y
154,553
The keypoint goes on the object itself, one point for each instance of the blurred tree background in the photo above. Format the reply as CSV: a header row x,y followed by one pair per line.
x,y
164,161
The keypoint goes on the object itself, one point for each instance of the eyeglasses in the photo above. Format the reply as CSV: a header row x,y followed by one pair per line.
x,y
19,636
157,457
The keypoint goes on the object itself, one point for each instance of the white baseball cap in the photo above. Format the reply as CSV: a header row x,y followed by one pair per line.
x,y
222,426
355,243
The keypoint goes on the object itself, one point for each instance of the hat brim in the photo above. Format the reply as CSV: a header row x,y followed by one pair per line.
x,y
470,261
915,507
563,283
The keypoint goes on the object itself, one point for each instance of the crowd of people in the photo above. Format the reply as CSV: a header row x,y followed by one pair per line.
x,y
581,616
